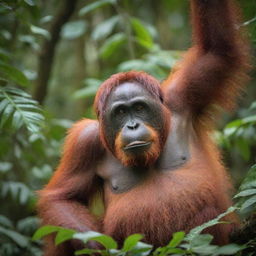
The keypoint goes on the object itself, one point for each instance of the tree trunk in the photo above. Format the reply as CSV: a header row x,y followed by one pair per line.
x,y
46,56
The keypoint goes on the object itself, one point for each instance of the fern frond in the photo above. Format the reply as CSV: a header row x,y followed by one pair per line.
x,y
18,106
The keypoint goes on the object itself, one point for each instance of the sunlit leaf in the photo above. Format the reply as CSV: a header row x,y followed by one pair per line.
x,y
73,29
95,5
251,201
246,193
131,241
44,231
40,31
177,239
142,34
107,241
64,235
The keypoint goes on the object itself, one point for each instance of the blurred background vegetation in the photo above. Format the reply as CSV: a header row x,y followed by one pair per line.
x,y
53,56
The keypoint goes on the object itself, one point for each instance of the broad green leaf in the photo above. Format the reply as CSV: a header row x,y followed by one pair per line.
x,y
107,241
250,119
111,45
142,34
142,248
251,201
177,239
64,235
230,249
201,239
13,74
205,249
95,5
40,31
103,29
237,123
131,241
73,29
44,231
247,192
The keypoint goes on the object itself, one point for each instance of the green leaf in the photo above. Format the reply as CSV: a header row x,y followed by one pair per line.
x,y
95,5
251,201
142,248
87,252
90,90
244,148
40,31
5,167
177,239
107,241
13,74
19,239
249,119
111,45
103,29
175,251
23,110
205,249
247,192
137,64
237,123
3,104
5,222
30,2
6,114
73,29
44,231
197,230
131,241
201,239
230,249
64,235
142,34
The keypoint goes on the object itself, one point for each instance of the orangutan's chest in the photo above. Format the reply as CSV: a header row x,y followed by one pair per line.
x,y
175,154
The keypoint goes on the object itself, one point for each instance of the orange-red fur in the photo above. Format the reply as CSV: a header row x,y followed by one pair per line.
x,y
146,158
210,75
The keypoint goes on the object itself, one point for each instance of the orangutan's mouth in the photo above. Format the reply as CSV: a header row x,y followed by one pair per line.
x,y
141,145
